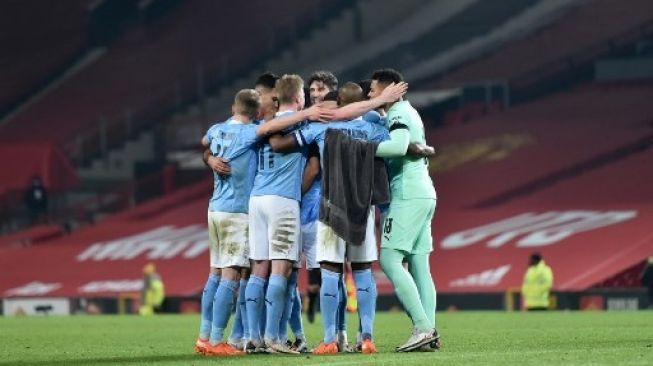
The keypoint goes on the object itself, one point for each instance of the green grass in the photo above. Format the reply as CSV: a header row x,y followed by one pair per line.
x,y
470,338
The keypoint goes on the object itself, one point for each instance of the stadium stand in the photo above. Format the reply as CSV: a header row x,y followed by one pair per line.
x,y
147,72
473,21
615,202
152,69
591,29
34,235
181,241
545,141
24,161
31,54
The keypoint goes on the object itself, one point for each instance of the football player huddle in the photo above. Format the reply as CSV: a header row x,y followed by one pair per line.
x,y
277,204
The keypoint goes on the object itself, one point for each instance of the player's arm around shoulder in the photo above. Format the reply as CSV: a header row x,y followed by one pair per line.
x,y
397,145
354,110
279,124
282,143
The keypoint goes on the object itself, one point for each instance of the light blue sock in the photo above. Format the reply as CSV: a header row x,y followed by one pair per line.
x,y
296,322
366,295
239,330
275,301
242,304
329,300
222,305
207,305
264,310
255,298
341,324
285,317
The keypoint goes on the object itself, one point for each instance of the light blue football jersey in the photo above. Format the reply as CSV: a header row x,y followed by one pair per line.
x,y
374,117
357,128
279,174
236,142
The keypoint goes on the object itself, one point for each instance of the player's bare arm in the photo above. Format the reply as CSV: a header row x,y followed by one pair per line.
x,y
282,143
311,171
315,112
390,94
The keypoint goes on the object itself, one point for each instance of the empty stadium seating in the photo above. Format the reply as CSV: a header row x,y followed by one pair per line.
x,y
38,39
593,28
533,145
473,21
152,68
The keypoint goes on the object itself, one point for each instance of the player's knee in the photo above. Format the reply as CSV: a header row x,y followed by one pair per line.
x,y
261,269
282,267
231,273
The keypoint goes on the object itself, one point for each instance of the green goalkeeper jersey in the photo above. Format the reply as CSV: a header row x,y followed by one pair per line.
x,y
409,175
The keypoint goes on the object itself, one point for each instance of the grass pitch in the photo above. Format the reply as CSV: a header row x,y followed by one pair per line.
x,y
470,338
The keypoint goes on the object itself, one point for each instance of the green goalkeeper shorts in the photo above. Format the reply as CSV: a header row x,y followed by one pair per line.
x,y
407,226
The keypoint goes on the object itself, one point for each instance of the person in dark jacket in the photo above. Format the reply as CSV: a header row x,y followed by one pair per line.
x,y
36,200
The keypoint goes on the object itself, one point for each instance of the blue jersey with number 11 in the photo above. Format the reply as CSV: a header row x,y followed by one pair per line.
x,y
279,174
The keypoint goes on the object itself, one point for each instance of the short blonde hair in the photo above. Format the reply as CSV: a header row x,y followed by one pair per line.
x,y
248,102
289,87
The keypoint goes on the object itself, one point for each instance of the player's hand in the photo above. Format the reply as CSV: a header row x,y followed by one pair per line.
x,y
327,114
320,112
421,150
313,112
393,92
219,165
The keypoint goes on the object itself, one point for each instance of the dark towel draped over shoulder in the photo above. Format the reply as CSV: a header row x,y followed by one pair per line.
x,y
353,180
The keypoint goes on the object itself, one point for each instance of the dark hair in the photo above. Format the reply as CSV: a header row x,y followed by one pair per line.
x,y
331,96
535,259
387,76
267,80
366,86
327,77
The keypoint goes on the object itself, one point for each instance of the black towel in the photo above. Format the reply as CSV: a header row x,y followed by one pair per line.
x,y
348,182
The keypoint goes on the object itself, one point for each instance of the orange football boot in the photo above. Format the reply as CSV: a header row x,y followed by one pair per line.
x,y
201,346
223,349
368,346
326,348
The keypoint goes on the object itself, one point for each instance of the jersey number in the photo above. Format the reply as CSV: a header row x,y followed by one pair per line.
x,y
387,228
261,159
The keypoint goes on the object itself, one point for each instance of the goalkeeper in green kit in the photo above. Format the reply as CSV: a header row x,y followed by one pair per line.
x,y
406,235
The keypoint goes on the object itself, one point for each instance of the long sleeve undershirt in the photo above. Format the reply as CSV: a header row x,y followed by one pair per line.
x,y
396,146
